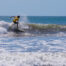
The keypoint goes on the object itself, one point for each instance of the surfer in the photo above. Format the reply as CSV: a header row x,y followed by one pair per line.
x,y
16,20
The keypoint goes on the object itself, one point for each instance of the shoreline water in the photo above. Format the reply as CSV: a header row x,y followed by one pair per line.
x,y
33,59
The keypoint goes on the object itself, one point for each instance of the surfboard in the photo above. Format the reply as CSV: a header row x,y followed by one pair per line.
x,y
17,30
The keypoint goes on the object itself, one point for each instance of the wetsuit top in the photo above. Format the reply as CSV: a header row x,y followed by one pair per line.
x,y
16,19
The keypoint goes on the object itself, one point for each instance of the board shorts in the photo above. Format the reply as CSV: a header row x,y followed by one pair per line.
x,y
15,22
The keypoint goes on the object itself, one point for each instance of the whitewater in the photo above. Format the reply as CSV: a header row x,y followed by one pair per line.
x,y
39,45
31,49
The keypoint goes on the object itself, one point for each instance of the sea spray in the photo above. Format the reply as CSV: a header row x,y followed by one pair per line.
x,y
24,19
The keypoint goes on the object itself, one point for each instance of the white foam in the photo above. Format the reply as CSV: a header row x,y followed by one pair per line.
x,y
3,30
32,59
4,24
3,27
21,26
28,44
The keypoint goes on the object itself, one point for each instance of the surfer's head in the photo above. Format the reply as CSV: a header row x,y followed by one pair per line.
x,y
18,16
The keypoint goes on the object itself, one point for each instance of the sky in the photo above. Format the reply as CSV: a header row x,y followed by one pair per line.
x,y
33,7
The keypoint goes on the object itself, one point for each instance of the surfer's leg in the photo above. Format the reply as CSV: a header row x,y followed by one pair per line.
x,y
17,25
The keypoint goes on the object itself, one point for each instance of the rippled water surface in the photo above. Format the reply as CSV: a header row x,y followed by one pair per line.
x,y
33,44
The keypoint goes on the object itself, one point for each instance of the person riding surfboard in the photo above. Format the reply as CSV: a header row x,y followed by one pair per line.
x,y
16,20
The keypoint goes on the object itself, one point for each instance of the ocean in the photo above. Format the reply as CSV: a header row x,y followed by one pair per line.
x,y
42,44
39,19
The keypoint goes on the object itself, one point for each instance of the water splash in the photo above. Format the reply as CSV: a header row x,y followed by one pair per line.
x,y
24,19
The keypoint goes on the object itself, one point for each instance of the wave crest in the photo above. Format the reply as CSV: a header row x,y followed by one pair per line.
x,y
33,29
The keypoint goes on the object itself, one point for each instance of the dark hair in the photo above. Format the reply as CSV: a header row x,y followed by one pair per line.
x,y
18,16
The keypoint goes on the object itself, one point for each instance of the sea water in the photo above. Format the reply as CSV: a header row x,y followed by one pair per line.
x,y
38,19
32,50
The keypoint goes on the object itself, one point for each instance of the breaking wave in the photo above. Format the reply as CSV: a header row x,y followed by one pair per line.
x,y
32,29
